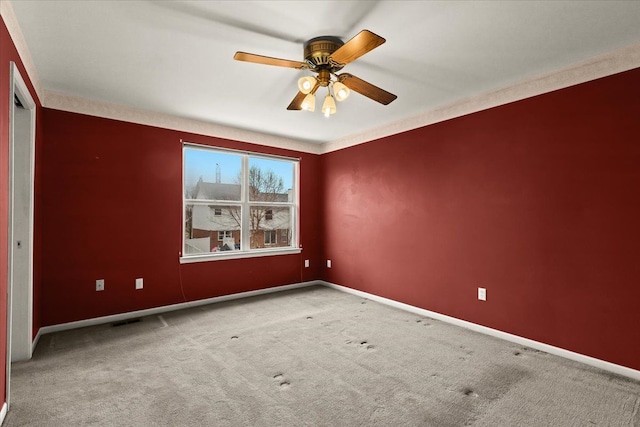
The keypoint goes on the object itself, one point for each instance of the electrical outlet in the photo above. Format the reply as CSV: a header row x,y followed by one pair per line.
x,y
482,294
100,285
328,263
139,283
306,263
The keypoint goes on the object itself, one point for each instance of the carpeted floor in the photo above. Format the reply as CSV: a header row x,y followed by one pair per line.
x,y
307,357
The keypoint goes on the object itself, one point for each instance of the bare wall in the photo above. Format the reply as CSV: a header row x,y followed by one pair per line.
x,y
112,209
537,201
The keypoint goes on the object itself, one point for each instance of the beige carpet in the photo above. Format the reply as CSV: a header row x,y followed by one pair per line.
x,y
309,357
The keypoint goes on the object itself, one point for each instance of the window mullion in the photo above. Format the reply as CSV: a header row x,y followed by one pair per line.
x,y
294,224
246,219
281,204
212,202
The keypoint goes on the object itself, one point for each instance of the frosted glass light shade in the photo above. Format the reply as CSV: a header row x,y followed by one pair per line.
x,y
328,106
341,91
306,84
309,103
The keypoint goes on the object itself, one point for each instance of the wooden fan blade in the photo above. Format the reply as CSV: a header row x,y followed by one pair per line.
x,y
296,104
367,89
267,60
362,43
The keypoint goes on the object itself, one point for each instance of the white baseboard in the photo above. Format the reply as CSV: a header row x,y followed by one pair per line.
x,y
3,412
587,360
167,308
35,341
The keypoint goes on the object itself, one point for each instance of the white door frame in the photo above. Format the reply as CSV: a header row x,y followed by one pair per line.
x,y
21,345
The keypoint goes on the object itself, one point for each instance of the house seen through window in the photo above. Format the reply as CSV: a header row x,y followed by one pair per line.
x,y
237,202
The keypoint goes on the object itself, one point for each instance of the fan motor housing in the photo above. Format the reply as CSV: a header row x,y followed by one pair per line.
x,y
318,50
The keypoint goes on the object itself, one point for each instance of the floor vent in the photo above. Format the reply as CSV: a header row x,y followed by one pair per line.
x,y
126,322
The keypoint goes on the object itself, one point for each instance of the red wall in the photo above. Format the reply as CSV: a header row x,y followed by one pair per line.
x,y
112,209
538,201
8,53
535,200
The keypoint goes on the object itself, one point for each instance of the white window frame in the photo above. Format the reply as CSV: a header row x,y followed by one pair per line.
x,y
245,204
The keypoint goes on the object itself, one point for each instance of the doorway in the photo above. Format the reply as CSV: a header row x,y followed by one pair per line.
x,y
22,120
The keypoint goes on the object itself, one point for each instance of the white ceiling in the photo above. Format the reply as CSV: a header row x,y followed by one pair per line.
x,y
177,57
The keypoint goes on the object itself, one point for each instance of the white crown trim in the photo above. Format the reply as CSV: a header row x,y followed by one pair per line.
x,y
10,20
91,107
620,60
614,62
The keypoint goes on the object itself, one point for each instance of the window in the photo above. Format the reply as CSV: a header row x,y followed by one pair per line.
x,y
222,234
247,201
270,237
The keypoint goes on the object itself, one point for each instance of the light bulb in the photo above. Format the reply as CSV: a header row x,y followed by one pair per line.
x,y
341,91
306,84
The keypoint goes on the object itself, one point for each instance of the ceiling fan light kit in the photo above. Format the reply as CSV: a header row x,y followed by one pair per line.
x,y
306,84
309,103
329,105
325,56
340,91
309,84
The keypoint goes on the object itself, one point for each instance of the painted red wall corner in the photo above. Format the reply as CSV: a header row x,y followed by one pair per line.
x,y
537,201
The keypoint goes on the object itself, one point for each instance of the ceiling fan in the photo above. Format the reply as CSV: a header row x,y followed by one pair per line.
x,y
325,56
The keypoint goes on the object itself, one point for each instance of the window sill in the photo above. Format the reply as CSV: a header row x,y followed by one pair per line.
x,y
238,255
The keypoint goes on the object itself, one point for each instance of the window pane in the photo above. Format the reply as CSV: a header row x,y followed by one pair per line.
x,y
270,180
224,190
269,233
212,175
207,232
